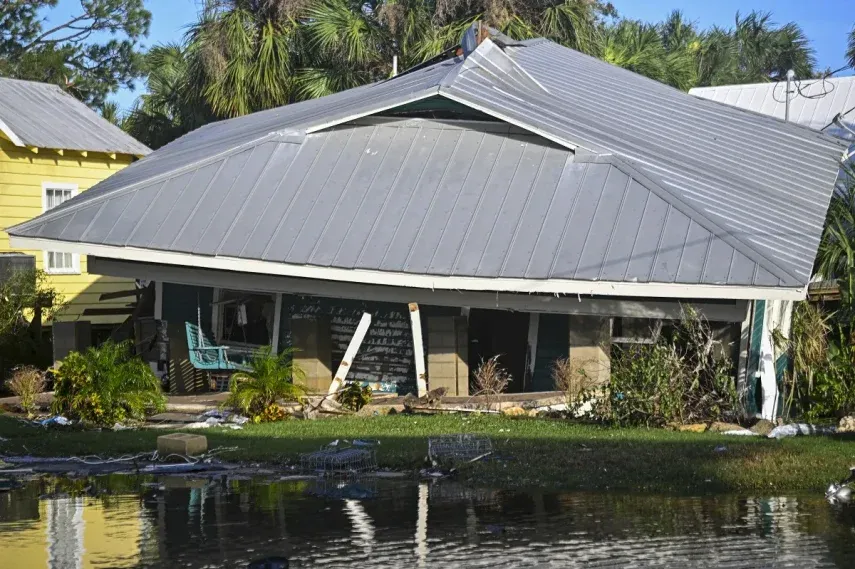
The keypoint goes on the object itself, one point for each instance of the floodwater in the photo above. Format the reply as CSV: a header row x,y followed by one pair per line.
x,y
123,522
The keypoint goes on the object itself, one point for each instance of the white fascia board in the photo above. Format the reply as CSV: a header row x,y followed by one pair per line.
x,y
432,282
372,110
4,128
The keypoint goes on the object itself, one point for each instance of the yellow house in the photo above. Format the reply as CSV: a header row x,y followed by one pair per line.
x,y
52,147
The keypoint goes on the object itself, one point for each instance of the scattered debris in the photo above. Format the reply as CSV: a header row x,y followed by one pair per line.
x,y
763,427
719,427
795,429
841,491
55,420
225,416
218,418
846,424
721,448
693,428
741,433
333,460
458,448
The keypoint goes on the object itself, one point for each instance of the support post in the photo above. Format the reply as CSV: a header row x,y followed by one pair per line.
x,y
350,353
744,345
533,325
418,349
158,300
215,314
277,319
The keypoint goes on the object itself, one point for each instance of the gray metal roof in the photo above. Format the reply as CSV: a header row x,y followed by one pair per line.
x,y
44,116
813,103
421,197
617,178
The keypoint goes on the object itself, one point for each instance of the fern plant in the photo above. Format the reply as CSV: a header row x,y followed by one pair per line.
x,y
270,378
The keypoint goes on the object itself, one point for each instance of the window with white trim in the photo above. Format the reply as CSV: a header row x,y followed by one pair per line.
x,y
58,262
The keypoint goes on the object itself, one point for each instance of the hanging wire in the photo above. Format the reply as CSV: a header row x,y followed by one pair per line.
x,y
827,86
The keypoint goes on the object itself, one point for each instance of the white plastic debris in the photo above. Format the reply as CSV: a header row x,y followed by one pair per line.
x,y
55,420
794,429
741,433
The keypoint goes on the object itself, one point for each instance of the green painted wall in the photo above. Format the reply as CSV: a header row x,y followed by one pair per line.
x,y
553,339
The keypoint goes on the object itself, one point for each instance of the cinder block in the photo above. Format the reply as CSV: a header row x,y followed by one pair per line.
x,y
182,443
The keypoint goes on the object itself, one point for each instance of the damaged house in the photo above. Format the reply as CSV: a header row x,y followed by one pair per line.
x,y
520,199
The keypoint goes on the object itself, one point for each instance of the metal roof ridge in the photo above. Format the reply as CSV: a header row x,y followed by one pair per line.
x,y
699,216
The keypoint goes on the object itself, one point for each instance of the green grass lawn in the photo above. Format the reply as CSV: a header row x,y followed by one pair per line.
x,y
543,453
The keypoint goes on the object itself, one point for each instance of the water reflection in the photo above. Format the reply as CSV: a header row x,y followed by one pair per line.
x,y
124,522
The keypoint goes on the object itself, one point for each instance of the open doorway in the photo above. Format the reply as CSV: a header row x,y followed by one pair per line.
x,y
503,333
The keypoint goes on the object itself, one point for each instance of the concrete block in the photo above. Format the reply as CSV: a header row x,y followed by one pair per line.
x,y
182,443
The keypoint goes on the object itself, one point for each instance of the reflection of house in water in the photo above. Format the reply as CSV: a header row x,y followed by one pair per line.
x,y
75,533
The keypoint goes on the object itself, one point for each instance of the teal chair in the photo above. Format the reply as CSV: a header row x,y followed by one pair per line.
x,y
213,359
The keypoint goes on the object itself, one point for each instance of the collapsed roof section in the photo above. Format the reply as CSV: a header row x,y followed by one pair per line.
x,y
608,177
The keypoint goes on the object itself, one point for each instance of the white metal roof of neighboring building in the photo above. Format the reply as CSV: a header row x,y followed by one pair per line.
x,y
44,116
813,102
743,196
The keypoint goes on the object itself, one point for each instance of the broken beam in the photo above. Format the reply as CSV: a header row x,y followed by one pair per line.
x,y
418,349
350,353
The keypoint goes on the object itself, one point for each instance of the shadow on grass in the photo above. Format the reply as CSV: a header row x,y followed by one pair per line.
x,y
529,453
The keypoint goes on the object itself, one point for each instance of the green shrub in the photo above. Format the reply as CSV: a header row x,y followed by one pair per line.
x,y
270,378
27,382
354,396
681,378
105,385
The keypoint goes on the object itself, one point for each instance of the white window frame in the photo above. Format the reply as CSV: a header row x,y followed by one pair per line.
x,y
75,257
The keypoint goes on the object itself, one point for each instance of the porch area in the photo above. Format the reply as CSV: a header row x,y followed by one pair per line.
x,y
411,334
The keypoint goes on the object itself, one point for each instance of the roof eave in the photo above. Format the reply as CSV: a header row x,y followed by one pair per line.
x,y
420,281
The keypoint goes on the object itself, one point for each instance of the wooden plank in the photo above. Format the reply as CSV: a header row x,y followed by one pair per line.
x,y
418,349
108,311
350,353
120,294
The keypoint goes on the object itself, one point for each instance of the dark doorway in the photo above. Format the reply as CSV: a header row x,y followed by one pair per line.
x,y
503,333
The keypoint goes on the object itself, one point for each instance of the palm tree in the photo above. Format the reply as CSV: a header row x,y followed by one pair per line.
x,y
110,112
270,378
640,47
850,51
835,259
756,50
172,105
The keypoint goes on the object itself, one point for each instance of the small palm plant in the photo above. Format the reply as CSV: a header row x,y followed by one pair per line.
x,y
270,378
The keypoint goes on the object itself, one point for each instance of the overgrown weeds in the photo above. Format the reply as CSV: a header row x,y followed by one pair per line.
x,y
682,377
490,379
27,382
105,385
571,378
821,379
